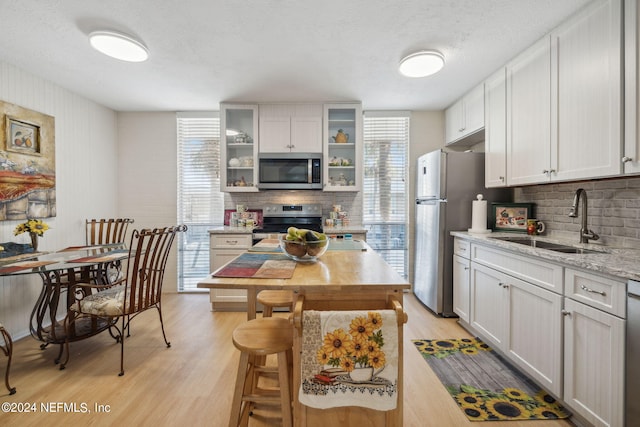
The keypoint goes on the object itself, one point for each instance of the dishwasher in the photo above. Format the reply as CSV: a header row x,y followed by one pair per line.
x,y
632,377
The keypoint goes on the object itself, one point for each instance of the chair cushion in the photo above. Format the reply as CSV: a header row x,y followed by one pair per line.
x,y
109,302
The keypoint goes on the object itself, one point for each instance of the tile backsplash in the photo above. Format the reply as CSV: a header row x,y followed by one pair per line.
x,y
613,209
350,202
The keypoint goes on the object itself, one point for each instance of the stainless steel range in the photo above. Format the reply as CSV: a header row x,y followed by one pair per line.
x,y
278,218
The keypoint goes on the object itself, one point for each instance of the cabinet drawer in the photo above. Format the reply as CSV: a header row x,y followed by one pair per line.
x,y
462,248
231,241
529,269
596,291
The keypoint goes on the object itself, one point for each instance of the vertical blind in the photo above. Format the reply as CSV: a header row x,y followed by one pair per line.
x,y
385,188
200,202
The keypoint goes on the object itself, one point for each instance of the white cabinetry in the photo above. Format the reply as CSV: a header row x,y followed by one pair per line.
x,y
587,59
564,119
464,120
594,347
343,156
461,274
631,157
489,304
223,248
510,293
239,147
529,115
290,128
495,130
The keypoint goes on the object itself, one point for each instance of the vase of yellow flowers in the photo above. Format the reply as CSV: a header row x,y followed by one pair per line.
x,y
35,228
357,351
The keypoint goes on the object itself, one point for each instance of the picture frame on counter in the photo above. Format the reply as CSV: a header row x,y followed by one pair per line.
x,y
511,217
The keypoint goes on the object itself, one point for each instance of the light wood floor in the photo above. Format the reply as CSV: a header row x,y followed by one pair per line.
x,y
190,383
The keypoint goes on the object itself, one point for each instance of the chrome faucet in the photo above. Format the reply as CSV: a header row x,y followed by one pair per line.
x,y
585,233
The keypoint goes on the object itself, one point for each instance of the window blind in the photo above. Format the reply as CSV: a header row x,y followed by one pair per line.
x,y
200,202
385,198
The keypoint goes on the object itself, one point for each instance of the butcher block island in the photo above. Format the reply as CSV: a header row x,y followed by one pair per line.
x,y
355,284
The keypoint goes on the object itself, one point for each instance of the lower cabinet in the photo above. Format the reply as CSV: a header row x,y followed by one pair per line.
x,y
567,336
224,248
594,348
461,290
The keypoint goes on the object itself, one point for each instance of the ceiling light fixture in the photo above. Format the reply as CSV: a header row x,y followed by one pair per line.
x,y
119,46
422,64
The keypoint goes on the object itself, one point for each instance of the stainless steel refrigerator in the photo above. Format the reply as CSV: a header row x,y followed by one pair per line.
x,y
447,183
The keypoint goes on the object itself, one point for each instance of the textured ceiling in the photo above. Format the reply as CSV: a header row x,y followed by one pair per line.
x,y
203,52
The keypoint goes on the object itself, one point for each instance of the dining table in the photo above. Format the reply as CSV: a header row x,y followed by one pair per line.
x,y
344,278
65,274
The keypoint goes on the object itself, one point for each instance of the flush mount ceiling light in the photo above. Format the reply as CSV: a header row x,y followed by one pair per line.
x,y
422,64
119,46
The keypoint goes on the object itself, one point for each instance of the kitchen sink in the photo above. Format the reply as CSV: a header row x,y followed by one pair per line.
x,y
541,244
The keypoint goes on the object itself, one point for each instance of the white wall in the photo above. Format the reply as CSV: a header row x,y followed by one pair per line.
x,y
427,134
147,171
86,178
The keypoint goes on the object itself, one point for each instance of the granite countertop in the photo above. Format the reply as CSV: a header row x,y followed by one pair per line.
x,y
620,262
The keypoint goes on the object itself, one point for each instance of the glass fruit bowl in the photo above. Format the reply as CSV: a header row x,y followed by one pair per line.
x,y
299,250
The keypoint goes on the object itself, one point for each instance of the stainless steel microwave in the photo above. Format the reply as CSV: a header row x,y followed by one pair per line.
x,y
290,171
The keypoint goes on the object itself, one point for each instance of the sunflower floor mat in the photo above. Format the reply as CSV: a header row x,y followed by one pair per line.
x,y
485,385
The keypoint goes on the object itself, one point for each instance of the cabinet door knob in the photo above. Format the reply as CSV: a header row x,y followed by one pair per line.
x,y
626,159
466,268
566,313
501,178
545,171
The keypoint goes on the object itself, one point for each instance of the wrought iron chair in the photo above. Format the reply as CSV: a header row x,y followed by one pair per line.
x,y
107,231
140,290
7,349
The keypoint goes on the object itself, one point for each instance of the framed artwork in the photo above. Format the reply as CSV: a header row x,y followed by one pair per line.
x,y
511,216
27,163
22,137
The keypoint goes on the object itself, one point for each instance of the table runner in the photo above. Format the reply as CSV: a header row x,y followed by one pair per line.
x,y
258,266
338,346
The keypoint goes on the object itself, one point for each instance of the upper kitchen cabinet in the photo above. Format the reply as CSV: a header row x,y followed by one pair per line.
x,y
290,128
564,118
528,115
587,51
239,147
343,154
631,157
464,120
495,130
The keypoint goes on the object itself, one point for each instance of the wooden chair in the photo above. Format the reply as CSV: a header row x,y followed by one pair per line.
x,y
140,290
257,339
106,231
274,298
7,349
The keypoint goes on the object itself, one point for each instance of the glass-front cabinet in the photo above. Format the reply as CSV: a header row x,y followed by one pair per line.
x,y
343,141
239,148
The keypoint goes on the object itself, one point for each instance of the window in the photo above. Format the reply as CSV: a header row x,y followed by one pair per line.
x,y
200,202
385,198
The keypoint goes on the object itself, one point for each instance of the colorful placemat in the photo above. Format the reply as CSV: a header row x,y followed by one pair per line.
x,y
485,385
259,266
110,256
24,265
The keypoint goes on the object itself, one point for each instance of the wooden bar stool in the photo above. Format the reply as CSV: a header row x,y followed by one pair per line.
x,y
8,351
270,299
257,339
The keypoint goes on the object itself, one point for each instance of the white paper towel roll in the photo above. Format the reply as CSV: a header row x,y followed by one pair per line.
x,y
479,216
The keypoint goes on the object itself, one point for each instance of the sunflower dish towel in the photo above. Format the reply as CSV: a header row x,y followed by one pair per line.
x,y
349,358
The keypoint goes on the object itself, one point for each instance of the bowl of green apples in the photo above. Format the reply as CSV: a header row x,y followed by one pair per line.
x,y
304,245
